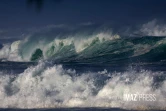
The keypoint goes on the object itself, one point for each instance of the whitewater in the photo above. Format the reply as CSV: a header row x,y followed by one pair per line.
x,y
46,86
83,70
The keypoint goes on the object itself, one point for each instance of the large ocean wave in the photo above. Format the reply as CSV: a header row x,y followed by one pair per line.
x,y
54,70
101,47
45,86
31,49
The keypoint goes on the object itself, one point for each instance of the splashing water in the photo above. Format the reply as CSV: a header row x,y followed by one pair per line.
x,y
45,86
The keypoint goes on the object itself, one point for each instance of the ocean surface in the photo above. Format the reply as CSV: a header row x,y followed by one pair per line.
x,y
83,72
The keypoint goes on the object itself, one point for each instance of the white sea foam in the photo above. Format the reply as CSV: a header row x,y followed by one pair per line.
x,y
153,28
46,87
10,52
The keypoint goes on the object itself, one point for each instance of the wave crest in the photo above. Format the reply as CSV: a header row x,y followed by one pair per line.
x,y
100,47
57,48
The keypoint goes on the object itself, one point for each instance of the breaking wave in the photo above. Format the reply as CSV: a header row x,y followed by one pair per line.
x,y
96,49
45,86
85,47
33,49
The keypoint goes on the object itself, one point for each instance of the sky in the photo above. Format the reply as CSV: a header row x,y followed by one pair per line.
x,y
16,16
